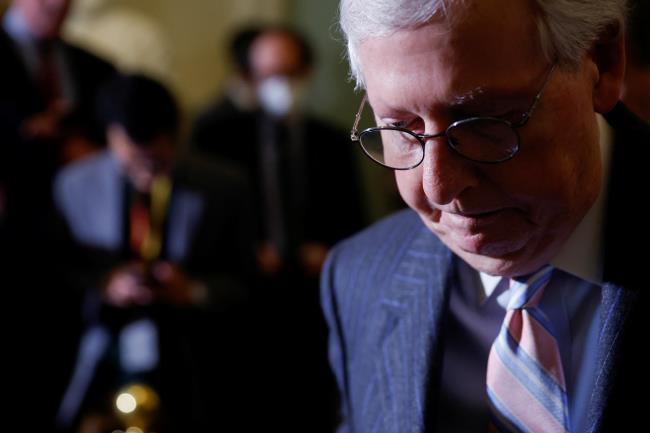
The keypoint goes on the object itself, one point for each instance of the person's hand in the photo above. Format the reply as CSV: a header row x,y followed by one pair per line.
x,y
173,285
47,124
312,258
268,259
127,286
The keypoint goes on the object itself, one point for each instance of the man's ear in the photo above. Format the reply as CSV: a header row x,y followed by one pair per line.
x,y
608,56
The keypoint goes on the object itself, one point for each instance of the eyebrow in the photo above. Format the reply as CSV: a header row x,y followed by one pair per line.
x,y
478,99
468,97
484,98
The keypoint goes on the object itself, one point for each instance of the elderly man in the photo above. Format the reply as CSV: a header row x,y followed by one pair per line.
x,y
47,97
491,304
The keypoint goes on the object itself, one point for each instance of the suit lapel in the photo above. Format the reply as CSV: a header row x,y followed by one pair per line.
x,y
410,333
185,211
625,268
617,305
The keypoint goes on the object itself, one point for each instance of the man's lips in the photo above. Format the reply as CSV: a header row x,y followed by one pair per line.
x,y
494,232
472,221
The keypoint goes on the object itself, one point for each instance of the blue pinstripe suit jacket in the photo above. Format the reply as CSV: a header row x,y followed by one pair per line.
x,y
384,295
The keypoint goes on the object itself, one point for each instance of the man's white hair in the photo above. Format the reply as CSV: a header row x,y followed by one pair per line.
x,y
566,28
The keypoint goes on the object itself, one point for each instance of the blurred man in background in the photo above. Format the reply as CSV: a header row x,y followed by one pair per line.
x,y
47,101
307,197
285,151
236,108
164,254
47,97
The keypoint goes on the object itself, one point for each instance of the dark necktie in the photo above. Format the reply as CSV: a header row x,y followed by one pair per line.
x,y
48,76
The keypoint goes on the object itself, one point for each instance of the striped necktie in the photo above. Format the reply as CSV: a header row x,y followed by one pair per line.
x,y
525,382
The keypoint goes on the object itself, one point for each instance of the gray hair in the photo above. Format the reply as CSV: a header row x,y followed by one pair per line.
x,y
566,28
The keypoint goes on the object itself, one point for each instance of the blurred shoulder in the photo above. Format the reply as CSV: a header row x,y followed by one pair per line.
x,y
210,174
86,60
86,169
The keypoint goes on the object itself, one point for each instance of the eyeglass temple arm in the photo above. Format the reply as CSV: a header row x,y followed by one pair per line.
x,y
533,106
354,136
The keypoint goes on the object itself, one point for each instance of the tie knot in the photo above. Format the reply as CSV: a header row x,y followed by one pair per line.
x,y
527,291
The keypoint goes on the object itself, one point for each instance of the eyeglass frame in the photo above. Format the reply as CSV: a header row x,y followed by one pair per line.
x,y
355,136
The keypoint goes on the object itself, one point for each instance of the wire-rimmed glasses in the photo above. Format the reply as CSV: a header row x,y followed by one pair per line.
x,y
480,139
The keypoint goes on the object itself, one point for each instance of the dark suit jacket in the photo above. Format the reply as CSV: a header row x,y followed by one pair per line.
x,y
26,236
329,207
203,363
27,165
323,206
385,296
20,97
207,229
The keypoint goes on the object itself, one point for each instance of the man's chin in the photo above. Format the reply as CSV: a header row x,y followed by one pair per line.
x,y
487,244
507,259
512,265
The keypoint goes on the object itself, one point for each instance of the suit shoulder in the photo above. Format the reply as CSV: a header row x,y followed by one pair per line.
x,y
85,59
81,179
86,168
368,268
396,228
373,253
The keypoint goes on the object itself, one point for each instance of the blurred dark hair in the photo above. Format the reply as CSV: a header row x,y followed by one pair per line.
x,y
239,47
306,52
638,32
144,107
241,42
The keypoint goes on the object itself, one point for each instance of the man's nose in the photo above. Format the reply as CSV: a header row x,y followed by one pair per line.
x,y
446,174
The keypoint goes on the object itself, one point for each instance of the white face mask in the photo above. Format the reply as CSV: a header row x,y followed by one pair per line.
x,y
279,95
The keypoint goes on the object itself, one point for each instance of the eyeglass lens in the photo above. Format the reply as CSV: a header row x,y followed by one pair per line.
x,y
480,139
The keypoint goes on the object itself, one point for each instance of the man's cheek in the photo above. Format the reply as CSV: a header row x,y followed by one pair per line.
x,y
410,188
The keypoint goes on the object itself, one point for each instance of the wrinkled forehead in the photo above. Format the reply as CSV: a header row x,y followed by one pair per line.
x,y
481,47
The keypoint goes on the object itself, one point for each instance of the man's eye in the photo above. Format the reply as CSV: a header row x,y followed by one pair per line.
x,y
415,125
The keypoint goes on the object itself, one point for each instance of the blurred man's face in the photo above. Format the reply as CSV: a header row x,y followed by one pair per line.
x,y
278,72
141,163
508,218
275,54
44,17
